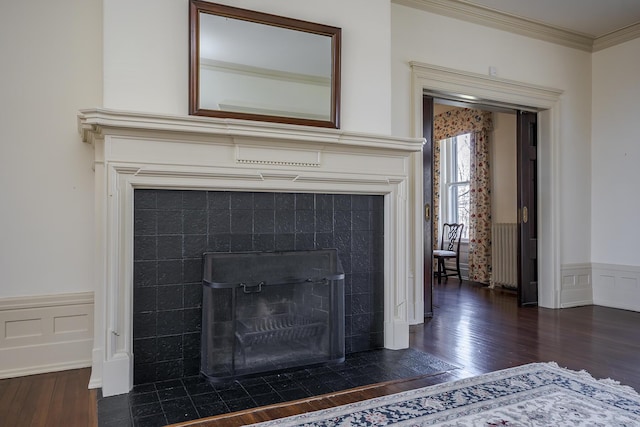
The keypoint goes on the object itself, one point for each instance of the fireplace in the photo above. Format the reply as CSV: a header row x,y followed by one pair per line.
x,y
269,311
140,151
173,228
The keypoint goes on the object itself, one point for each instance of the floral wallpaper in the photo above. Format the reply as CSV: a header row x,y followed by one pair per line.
x,y
478,123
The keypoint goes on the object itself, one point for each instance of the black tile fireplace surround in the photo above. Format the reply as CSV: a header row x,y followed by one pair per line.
x,y
173,228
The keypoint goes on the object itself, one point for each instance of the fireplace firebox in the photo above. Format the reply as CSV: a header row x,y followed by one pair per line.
x,y
268,311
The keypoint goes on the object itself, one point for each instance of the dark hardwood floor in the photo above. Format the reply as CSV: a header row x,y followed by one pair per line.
x,y
483,330
478,329
51,400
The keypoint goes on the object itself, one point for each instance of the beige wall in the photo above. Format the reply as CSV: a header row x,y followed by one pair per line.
x,y
58,57
425,37
51,67
146,54
615,145
504,191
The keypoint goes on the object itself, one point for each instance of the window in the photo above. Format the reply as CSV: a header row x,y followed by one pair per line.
x,y
455,166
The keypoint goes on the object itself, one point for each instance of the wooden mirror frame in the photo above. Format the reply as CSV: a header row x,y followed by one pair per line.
x,y
196,7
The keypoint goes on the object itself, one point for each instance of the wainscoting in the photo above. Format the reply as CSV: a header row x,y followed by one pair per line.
x,y
616,286
45,333
607,285
575,289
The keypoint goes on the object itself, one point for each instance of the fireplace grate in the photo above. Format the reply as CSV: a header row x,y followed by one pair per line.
x,y
272,329
268,311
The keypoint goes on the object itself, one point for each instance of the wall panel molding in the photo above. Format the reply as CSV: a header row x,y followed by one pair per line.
x,y
575,288
45,333
616,286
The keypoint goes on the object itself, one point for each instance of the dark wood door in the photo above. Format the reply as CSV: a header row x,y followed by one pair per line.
x,y
427,197
527,208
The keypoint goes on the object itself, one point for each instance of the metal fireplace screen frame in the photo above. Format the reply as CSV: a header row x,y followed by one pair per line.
x,y
268,311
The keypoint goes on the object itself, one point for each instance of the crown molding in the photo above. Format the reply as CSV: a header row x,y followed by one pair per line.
x,y
617,37
460,9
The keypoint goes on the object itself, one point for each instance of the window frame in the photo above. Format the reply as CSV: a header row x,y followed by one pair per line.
x,y
448,182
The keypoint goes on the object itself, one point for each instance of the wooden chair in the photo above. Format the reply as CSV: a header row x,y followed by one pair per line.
x,y
451,234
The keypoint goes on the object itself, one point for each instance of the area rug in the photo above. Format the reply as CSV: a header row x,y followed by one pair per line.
x,y
538,394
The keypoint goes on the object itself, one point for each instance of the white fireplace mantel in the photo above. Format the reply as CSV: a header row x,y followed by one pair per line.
x,y
138,150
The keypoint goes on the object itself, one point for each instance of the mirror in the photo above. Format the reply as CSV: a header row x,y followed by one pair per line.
x,y
255,66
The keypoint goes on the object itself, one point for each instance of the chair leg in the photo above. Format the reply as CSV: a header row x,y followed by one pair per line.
x,y
439,273
458,267
444,270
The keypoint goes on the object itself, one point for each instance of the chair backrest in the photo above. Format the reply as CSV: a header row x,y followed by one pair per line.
x,y
451,233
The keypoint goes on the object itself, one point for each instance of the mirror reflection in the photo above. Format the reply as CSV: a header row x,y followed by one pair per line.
x,y
256,66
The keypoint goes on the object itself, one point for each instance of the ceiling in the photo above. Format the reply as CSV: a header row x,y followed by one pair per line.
x,y
594,18
589,25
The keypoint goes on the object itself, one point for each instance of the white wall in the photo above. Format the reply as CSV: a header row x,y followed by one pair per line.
x,y
616,155
433,39
146,54
54,66
59,57
615,259
51,67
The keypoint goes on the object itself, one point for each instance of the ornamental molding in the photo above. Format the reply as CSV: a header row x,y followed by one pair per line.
x,y
92,124
460,9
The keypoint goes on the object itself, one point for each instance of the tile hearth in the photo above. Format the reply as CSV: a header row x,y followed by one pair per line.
x,y
166,402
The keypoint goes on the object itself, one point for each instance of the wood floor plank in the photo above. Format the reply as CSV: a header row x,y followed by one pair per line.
x,y
92,403
57,399
15,412
57,410
7,398
4,384
35,409
76,398
83,399
484,330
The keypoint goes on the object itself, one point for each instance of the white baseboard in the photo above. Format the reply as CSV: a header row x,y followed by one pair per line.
x,y
95,381
45,333
617,286
576,286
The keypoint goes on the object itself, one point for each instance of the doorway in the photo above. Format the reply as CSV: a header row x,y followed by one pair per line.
x,y
452,189
498,146
484,174
476,87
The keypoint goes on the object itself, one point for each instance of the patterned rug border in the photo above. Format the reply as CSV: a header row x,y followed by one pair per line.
x,y
613,393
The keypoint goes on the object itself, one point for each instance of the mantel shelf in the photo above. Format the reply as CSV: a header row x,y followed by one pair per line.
x,y
92,122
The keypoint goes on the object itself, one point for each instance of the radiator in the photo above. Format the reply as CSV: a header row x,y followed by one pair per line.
x,y
504,254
